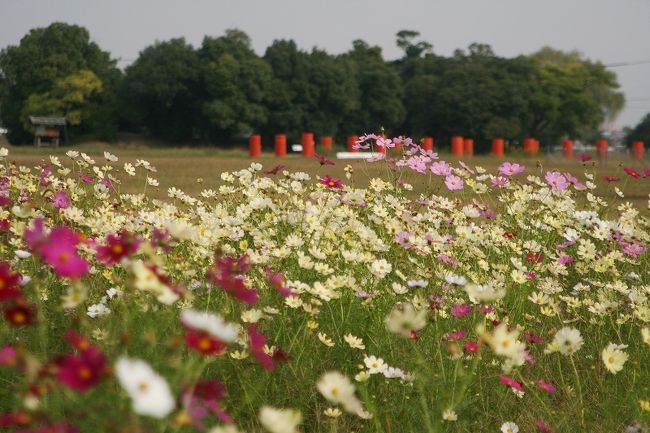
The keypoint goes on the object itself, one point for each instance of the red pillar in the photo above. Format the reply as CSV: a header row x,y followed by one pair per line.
x,y
601,148
468,147
638,149
529,142
567,148
535,149
351,140
326,144
307,142
457,145
427,143
498,147
255,146
280,145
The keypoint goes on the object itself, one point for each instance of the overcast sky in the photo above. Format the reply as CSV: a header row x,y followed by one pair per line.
x,y
611,31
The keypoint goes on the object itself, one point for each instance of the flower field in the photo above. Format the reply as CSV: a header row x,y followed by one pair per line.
x,y
432,296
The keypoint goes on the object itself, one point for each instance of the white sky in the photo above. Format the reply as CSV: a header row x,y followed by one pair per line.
x,y
608,30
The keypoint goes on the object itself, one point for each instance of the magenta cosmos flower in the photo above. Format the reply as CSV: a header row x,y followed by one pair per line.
x,y
228,274
453,182
256,343
61,200
556,180
510,169
60,252
331,183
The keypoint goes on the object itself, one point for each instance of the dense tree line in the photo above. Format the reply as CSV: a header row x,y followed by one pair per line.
x,y
221,91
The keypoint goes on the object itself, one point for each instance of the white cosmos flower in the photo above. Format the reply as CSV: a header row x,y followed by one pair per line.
x,y
22,254
567,341
149,391
456,280
509,427
374,364
484,292
213,324
338,389
614,357
404,319
280,420
381,268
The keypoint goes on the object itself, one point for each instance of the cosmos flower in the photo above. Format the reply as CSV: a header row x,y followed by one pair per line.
x,y
453,182
280,420
228,273
405,319
9,283
118,246
207,333
614,357
510,169
149,392
61,200
331,183
556,180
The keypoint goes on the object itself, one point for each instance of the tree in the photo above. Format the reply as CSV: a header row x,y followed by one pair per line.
x,y
161,91
68,98
44,57
640,132
380,91
237,84
310,91
571,95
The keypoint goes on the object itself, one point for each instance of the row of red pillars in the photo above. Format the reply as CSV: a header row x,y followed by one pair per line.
x,y
306,140
459,146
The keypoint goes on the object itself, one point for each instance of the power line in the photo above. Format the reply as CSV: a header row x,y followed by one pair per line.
x,y
630,63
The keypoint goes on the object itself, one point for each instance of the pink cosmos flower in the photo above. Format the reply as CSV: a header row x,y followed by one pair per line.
x,y
646,172
565,260
583,157
511,169
118,246
574,181
533,338
610,179
279,283
8,356
456,335
546,386
201,399
512,383
331,183
631,172
322,160
82,371
499,182
440,168
275,170
256,345
228,274
471,347
86,179
9,283
60,252
454,182
61,200
543,427
556,180
461,310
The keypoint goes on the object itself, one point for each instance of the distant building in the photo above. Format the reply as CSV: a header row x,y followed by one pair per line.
x,y
47,129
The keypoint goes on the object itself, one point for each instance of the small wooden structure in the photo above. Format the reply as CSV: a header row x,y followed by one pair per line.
x,y
47,129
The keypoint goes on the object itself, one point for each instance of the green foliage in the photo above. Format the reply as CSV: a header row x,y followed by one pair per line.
x,y
45,57
641,131
68,98
237,84
161,89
